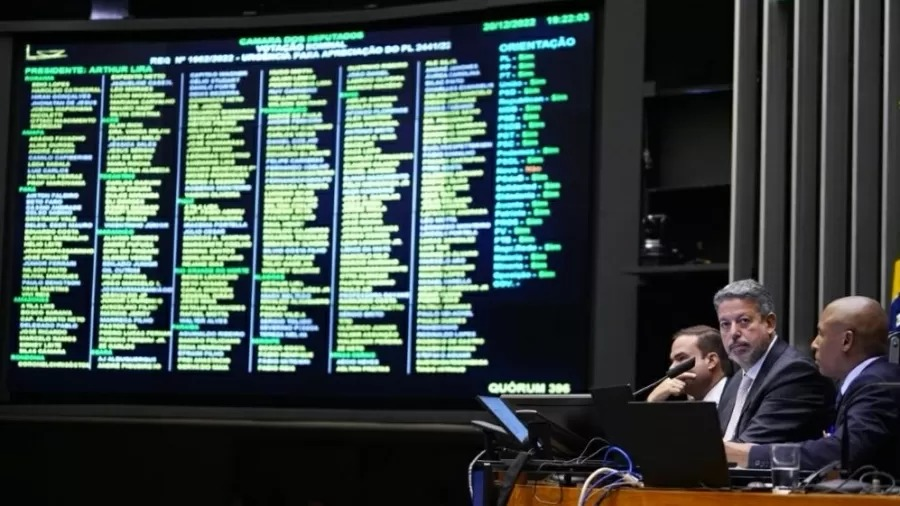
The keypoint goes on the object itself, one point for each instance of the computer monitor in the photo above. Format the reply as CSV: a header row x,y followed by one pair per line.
x,y
608,403
575,412
507,418
547,437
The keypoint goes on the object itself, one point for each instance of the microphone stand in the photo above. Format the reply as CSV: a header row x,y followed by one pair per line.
x,y
649,387
894,348
676,370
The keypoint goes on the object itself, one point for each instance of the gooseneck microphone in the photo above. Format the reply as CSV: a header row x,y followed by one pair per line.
x,y
894,348
894,332
676,370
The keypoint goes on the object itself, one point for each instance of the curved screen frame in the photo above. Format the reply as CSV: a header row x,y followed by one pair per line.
x,y
11,37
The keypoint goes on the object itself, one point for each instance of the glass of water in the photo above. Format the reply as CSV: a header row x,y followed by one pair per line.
x,y
785,467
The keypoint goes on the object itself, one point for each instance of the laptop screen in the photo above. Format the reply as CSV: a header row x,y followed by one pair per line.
x,y
506,416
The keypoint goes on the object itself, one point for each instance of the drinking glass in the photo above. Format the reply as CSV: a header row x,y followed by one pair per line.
x,y
785,467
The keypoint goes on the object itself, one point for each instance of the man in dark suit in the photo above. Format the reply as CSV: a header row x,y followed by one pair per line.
x,y
778,394
850,347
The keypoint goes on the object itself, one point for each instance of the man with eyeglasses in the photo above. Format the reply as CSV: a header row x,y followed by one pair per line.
x,y
777,395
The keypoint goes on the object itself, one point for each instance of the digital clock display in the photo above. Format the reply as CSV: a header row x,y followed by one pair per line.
x,y
567,19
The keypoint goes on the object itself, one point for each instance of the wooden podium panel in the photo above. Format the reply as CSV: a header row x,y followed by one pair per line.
x,y
546,495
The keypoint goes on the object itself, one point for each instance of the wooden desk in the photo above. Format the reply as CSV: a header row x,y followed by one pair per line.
x,y
546,495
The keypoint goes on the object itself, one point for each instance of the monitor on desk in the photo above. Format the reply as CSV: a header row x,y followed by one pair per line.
x,y
608,403
534,430
507,418
575,412
587,415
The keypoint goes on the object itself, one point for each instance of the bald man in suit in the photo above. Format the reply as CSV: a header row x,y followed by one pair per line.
x,y
850,346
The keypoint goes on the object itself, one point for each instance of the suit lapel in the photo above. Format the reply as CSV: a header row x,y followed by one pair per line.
x,y
844,400
726,402
839,417
840,408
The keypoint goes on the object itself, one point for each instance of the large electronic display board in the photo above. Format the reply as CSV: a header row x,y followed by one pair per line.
x,y
399,214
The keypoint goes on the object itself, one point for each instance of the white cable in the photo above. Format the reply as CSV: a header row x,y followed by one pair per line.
x,y
472,466
586,488
580,458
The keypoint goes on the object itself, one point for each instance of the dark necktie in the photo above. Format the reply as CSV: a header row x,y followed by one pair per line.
x,y
837,410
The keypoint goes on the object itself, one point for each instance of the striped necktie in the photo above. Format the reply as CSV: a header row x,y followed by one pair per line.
x,y
743,390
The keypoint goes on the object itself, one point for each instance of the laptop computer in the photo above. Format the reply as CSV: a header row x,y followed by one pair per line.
x,y
675,444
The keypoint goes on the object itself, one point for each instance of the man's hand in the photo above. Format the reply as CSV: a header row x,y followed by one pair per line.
x,y
739,453
671,387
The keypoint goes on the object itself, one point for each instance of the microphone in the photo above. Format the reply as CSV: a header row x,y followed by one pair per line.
x,y
676,370
894,332
894,348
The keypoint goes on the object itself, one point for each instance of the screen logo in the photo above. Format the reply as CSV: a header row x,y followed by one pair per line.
x,y
44,54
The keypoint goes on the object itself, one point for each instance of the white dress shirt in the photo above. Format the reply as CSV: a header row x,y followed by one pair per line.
x,y
845,385
749,376
754,369
715,393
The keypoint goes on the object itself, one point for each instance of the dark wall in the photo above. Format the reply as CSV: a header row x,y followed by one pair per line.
x,y
136,465
685,170
816,122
